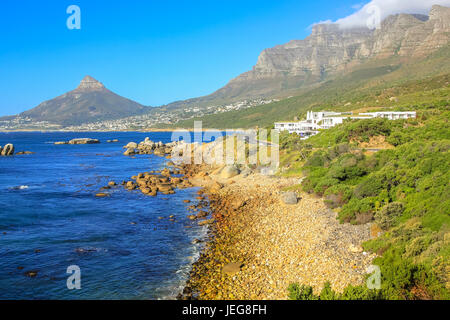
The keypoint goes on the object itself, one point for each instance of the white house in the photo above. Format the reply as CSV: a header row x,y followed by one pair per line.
x,y
316,121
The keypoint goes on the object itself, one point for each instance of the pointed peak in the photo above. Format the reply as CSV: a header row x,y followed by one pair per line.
x,y
89,82
89,78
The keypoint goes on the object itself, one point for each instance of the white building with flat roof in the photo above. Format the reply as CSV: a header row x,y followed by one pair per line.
x,y
316,121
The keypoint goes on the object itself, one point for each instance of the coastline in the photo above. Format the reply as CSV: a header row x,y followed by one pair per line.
x,y
257,246
76,194
141,131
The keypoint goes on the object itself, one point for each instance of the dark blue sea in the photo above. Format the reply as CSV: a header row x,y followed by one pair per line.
x,y
50,219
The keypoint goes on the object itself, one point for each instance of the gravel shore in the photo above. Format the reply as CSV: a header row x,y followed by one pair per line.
x,y
259,245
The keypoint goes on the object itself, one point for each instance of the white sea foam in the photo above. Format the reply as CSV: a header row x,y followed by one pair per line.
x,y
19,187
182,274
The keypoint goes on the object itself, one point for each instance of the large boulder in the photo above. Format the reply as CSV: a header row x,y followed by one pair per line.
x,y
289,198
129,152
131,145
8,150
159,151
229,172
131,185
232,268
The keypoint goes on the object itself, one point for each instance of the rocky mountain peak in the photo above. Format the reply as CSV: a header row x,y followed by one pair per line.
x,y
332,48
439,12
89,83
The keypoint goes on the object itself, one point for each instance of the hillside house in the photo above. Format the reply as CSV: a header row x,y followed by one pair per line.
x,y
323,120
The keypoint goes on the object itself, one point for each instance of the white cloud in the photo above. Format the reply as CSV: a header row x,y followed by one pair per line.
x,y
377,10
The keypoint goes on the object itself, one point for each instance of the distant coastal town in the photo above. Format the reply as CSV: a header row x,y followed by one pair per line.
x,y
155,116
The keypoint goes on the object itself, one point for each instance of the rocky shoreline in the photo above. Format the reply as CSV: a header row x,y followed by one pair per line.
x,y
258,244
260,238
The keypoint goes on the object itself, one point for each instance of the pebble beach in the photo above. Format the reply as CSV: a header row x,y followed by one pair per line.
x,y
259,245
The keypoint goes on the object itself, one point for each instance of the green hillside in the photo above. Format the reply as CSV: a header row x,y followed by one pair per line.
x,y
402,190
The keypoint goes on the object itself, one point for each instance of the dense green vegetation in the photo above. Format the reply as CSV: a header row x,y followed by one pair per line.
x,y
403,190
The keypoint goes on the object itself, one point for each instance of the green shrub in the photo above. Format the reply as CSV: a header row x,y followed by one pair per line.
x,y
339,149
327,293
364,129
323,184
337,195
302,292
354,208
415,247
318,159
360,293
386,216
369,187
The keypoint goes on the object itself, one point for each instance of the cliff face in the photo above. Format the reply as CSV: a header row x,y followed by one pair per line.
x,y
330,49
325,49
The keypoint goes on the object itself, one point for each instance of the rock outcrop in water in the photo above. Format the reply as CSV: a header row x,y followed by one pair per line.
x,y
150,147
24,153
79,141
152,183
84,141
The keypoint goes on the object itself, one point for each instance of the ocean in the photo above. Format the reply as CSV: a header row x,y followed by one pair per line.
x,y
50,219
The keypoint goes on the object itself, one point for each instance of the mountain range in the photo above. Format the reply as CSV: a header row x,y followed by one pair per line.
x,y
331,52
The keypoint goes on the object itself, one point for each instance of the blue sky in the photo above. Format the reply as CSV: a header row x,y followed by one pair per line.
x,y
153,52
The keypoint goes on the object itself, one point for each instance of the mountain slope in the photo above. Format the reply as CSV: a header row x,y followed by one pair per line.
x,y
330,51
372,85
90,102
331,64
